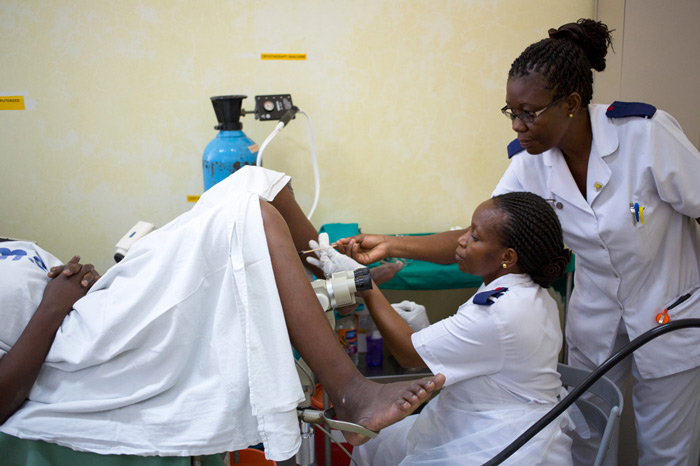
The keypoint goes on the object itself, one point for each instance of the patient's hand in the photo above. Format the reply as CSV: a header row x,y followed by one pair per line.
x,y
65,289
73,267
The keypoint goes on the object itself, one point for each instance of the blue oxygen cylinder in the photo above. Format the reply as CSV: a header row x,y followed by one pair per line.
x,y
231,149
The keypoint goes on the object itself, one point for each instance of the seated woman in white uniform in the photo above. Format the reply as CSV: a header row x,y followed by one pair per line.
x,y
498,352
183,348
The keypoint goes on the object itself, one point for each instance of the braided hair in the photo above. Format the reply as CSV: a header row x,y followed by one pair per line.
x,y
533,230
565,59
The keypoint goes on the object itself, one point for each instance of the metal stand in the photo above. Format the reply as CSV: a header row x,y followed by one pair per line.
x,y
306,456
328,457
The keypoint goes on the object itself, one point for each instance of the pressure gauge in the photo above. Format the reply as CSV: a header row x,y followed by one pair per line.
x,y
272,107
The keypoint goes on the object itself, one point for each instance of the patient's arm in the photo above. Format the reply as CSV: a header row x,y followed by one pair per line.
x,y
20,367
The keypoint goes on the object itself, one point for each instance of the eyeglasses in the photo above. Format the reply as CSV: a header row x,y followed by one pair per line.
x,y
527,117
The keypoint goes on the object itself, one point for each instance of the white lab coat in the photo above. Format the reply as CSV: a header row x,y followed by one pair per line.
x,y
626,270
500,365
180,349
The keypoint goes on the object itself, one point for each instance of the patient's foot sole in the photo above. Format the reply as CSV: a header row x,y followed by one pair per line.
x,y
376,406
385,272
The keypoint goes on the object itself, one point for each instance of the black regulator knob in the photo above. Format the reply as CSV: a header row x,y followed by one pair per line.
x,y
363,280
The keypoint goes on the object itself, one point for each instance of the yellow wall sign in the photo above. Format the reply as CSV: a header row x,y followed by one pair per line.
x,y
12,102
283,56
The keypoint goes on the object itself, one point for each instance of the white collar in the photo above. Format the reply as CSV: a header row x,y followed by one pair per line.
x,y
511,279
605,135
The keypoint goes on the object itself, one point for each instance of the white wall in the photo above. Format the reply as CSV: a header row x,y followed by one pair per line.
x,y
656,58
404,96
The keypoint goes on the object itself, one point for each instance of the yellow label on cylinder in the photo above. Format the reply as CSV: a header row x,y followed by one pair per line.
x,y
192,198
12,102
283,56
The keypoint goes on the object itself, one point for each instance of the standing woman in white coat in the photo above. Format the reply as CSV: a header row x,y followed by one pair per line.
x,y
625,183
624,179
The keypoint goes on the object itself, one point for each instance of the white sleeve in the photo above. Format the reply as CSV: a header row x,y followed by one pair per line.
x,y
462,346
509,182
675,165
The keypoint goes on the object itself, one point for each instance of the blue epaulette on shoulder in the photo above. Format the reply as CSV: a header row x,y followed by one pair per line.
x,y
483,298
630,109
514,147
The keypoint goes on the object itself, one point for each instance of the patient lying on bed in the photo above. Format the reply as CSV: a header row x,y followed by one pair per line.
x,y
183,348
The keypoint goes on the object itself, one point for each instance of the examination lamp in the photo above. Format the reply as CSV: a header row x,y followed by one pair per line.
x,y
339,290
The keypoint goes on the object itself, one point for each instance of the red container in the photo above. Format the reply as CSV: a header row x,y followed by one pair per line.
x,y
251,457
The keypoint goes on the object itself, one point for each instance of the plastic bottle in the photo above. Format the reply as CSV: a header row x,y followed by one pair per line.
x,y
375,350
365,325
347,334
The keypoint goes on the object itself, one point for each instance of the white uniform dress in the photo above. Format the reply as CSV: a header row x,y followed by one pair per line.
x,y
180,349
500,363
628,271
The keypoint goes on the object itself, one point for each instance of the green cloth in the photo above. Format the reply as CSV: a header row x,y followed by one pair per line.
x,y
21,452
337,231
421,275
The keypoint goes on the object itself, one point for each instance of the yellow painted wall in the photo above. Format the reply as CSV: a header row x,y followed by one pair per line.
x,y
404,97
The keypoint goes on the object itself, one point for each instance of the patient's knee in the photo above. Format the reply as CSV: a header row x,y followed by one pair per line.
x,y
273,222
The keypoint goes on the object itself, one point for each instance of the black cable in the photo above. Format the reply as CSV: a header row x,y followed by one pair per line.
x,y
574,394
289,115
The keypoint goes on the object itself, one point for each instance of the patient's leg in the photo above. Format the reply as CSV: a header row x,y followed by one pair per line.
x,y
355,398
302,231
299,226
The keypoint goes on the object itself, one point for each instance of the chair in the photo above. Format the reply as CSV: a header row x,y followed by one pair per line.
x,y
603,421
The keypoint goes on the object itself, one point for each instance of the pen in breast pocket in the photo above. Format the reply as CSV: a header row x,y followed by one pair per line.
x,y
637,212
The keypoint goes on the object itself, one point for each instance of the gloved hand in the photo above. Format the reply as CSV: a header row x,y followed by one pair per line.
x,y
328,259
414,314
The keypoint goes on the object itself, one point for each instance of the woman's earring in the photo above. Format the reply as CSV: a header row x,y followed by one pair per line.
x,y
505,266
571,115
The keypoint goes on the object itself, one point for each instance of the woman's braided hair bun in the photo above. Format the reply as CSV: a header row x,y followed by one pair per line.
x,y
556,266
592,36
566,58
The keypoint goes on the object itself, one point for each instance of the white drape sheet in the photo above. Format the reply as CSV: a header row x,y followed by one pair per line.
x,y
181,348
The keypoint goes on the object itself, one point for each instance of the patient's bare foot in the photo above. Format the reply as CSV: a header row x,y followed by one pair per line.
x,y
375,406
385,272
